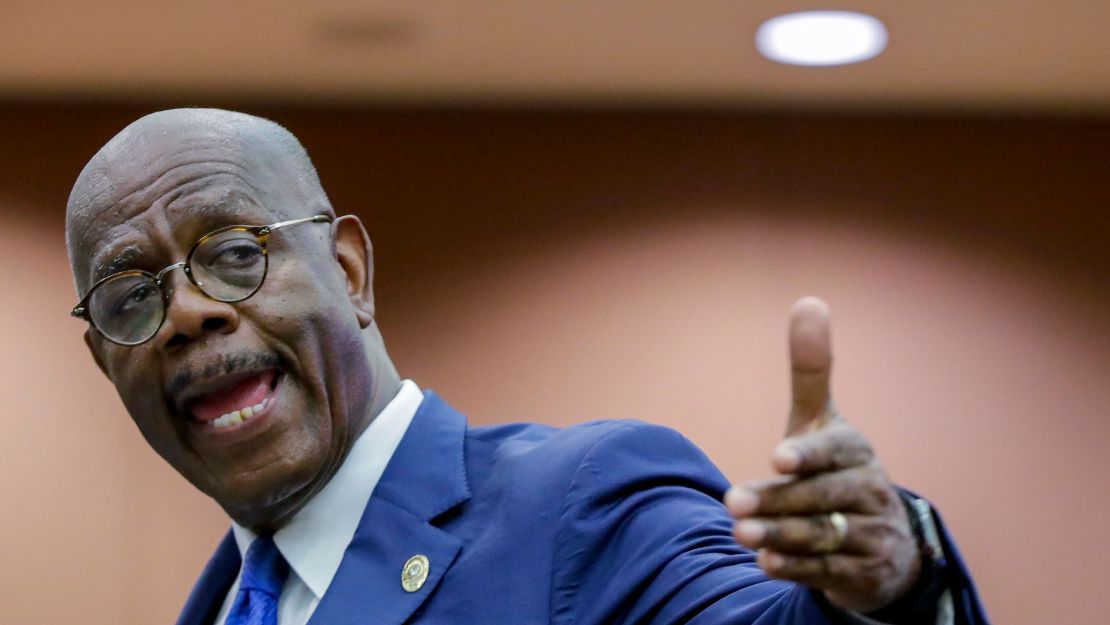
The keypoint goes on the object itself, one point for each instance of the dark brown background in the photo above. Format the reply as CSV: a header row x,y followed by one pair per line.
x,y
561,265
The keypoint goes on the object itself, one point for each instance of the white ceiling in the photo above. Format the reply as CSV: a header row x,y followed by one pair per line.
x,y
1040,55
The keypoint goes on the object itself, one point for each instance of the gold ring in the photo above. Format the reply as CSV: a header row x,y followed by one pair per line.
x,y
839,524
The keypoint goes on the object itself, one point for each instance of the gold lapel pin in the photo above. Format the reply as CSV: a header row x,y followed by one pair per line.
x,y
415,573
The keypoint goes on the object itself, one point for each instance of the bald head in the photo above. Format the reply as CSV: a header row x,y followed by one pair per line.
x,y
121,179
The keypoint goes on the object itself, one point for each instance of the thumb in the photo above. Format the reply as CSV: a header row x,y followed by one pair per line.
x,y
810,365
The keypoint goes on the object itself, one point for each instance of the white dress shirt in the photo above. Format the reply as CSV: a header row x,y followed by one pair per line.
x,y
314,540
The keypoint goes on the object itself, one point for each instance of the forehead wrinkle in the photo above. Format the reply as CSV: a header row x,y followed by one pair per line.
x,y
192,200
139,196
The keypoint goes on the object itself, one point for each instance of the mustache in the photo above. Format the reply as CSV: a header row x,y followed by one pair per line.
x,y
222,364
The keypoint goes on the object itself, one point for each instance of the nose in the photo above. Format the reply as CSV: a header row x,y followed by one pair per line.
x,y
191,315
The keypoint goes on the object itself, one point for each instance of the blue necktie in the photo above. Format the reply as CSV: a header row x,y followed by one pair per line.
x,y
264,573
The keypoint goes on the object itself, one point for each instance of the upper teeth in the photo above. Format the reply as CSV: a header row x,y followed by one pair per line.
x,y
235,417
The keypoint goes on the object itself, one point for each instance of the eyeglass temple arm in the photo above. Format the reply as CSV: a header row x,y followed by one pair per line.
x,y
293,222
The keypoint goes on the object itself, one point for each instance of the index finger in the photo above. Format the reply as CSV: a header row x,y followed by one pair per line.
x,y
810,364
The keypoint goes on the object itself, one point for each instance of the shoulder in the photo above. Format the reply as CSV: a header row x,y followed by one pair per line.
x,y
548,442
593,455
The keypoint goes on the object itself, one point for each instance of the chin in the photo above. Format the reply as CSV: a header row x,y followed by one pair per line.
x,y
267,496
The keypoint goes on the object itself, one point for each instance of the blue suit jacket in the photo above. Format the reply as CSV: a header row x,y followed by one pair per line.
x,y
613,522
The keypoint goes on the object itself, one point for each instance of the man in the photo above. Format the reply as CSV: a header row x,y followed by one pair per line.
x,y
234,313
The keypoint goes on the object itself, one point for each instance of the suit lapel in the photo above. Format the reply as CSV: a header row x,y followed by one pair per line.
x,y
425,478
209,592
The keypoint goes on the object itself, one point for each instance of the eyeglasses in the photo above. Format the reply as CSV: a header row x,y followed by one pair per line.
x,y
227,265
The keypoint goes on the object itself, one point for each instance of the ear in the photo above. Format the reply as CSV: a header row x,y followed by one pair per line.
x,y
356,259
95,354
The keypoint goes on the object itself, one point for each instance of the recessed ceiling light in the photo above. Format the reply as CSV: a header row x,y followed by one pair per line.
x,y
821,38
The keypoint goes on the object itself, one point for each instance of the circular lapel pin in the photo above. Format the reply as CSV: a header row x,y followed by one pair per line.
x,y
415,573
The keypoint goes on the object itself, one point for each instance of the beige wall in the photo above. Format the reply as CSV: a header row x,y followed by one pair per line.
x,y
562,267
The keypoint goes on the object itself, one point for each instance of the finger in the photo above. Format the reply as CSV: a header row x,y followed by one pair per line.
x,y
831,448
863,489
829,571
810,364
858,583
744,500
807,535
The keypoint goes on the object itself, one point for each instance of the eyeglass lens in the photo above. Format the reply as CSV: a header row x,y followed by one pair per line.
x,y
228,266
127,309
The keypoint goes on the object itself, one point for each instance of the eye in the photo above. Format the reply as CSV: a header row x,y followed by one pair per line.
x,y
232,254
135,297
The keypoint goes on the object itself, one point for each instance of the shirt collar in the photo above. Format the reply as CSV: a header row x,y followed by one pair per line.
x,y
315,539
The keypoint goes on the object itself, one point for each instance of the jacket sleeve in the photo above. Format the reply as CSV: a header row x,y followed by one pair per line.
x,y
644,539
961,594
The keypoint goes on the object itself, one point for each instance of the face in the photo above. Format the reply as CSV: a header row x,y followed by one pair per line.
x,y
292,354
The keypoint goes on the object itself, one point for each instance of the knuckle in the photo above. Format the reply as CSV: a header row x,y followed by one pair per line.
x,y
772,532
770,501
879,492
773,564
808,567
810,453
835,492
816,528
887,543
855,445
862,455
867,453
845,446
841,457
796,496
777,533
794,534
886,546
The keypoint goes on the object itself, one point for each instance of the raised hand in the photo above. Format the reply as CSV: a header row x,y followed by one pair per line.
x,y
831,520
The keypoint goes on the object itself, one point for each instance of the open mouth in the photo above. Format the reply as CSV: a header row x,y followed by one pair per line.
x,y
234,403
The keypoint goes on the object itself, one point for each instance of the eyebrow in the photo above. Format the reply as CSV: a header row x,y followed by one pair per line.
x,y
123,259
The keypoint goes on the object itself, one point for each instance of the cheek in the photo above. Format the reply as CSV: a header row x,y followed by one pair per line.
x,y
144,400
136,374
137,383
311,315
297,296
334,363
